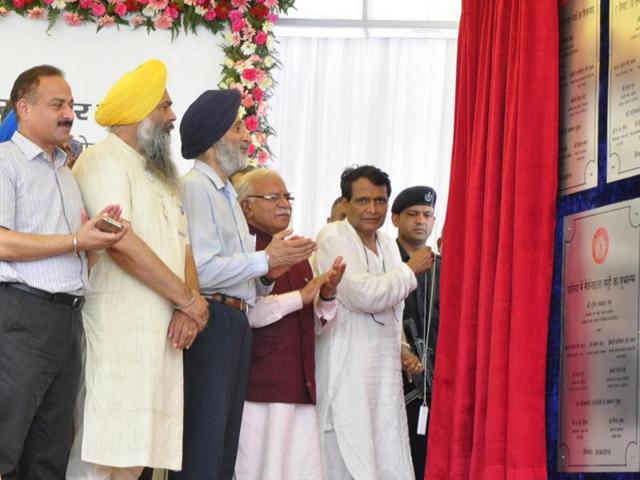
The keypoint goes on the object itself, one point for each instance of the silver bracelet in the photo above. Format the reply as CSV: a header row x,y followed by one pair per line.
x,y
188,304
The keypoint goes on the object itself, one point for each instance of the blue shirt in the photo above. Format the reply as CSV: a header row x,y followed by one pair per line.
x,y
41,197
223,248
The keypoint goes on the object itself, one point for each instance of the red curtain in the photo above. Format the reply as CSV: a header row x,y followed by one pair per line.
x,y
488,415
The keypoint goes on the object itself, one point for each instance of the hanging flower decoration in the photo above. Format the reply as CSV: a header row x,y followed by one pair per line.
x,y
248,40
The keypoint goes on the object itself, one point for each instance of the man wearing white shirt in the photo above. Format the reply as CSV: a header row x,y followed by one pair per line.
x,y
43,277
360,399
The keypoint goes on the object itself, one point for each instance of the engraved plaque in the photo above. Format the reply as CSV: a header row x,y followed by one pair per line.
x,y
600,325
623,129
579,66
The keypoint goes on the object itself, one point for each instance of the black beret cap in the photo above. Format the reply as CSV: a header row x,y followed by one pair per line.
x,y
207,120
419,195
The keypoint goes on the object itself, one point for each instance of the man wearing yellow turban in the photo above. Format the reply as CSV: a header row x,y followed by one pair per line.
x,y
144,306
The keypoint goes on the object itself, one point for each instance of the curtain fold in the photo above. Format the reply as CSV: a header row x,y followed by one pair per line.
x,y
487,418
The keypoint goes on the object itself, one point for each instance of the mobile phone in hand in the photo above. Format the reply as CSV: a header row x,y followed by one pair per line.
x,y
108,224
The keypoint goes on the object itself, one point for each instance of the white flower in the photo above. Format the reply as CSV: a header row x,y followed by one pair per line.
x,y
58,4
248,48
269,61
266,83
242,112
227,37
228,62
149,11
239,66
270,42
200,10
267,26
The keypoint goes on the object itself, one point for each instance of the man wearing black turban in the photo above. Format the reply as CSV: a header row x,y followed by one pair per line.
x,y
230,272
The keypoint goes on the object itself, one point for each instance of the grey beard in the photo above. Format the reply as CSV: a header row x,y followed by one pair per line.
x,y
230,157
155,146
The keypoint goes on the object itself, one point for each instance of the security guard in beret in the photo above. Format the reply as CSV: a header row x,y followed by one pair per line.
x,y
413,216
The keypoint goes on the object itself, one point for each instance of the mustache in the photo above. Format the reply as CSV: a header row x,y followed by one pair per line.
x,y
65,123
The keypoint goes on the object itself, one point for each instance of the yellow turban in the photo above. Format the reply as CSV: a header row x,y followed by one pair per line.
x,y
134,96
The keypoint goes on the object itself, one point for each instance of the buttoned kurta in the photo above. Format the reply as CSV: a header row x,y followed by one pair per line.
x,y
134,400
358,369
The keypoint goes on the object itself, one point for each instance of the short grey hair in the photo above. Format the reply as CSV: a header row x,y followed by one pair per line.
x,y
246,183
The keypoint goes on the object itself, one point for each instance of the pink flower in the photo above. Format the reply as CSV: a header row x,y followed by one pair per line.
x,y
238,25
251,150
263,157
247,101
248,32
86,4
73,19
235,15
263,108
210,15
249,74
261,38
270,3
172,12
106,21
235,39
120,9
260,137
272,17
261,75
3,12
18,3
258,94
137,20
98,9
241,5
251,123
36,13
158,4
163,21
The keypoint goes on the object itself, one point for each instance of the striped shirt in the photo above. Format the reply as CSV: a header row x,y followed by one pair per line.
x,y
40,197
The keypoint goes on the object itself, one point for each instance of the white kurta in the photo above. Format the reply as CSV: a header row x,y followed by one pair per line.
x,y
280,441
358,372
134,403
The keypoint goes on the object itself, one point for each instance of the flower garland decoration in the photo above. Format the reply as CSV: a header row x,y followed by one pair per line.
x,y
249,44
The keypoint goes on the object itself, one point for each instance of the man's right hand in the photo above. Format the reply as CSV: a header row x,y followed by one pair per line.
x,y
421,260
91,238
285,253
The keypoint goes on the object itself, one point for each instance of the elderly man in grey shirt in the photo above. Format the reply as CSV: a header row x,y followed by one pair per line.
x,y
230,272
44,237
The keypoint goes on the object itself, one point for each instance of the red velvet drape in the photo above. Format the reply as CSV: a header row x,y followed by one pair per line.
x,y
488,414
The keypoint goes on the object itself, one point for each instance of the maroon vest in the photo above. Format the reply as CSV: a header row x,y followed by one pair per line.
x,y
282,355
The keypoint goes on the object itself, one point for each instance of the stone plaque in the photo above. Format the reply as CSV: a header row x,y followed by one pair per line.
x,y
579,66
600,325
623,135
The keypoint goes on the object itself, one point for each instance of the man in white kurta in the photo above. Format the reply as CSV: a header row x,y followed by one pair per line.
x,y
361,411
279,438
133,372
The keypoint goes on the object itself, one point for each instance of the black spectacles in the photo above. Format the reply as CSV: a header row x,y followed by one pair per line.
x,y
274,197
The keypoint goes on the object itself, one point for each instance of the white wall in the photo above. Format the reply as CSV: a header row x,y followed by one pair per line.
x,y
93,61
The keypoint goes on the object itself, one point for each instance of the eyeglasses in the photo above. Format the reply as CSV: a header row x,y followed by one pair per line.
x,y
274,197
